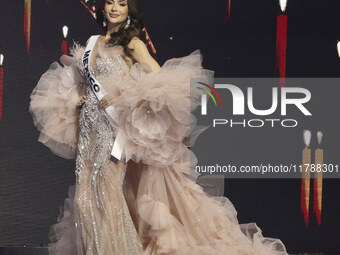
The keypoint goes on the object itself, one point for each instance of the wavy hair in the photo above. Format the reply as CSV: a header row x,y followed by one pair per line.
x,y
123,36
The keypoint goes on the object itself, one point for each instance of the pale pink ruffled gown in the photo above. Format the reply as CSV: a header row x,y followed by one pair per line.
x,y
151,204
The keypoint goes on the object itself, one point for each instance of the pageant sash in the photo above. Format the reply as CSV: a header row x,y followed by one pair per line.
x,y
100,92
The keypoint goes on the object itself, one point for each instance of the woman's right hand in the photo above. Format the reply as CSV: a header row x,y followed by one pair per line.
x,y
81,102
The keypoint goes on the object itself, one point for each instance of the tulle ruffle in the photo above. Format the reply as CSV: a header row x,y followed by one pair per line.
x,y
155,109
156,120
63,234
53,107
181,218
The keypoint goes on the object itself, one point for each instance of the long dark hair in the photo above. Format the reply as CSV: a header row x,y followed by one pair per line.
x,y
123,36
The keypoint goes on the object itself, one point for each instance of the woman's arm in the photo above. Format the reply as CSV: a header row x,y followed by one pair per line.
x,y
141,54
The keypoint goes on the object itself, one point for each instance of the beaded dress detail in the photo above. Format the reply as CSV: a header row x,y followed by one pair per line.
x,y
103,219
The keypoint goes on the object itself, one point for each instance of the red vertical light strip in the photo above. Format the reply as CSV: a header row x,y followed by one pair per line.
x,y
227,11
281,47
64,47
317,188
305,180
47,1
27,23
1,89
149,43
304,202
229,8
25,20
91,9
317,211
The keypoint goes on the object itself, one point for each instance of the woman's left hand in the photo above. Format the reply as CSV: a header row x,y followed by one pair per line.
x,y
103,103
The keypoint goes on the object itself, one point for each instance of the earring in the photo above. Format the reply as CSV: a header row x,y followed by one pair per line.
x,y
128,22
104,19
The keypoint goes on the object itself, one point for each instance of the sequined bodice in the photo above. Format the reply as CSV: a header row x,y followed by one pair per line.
x,y
105,67
109,62
94,124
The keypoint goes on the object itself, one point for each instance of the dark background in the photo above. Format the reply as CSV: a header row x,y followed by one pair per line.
x,y
34,182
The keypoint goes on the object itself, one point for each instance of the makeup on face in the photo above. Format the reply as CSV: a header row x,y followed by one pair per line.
x,y
116,11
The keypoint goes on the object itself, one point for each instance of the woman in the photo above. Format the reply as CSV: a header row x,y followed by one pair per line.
x,y
134,193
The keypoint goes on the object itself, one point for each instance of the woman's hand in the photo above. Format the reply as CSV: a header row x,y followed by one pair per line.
x,y
103,103
81,102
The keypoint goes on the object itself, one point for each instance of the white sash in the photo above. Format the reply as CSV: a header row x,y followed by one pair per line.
x,y
100,92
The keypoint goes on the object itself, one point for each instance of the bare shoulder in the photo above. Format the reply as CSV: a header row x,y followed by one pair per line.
x,y
141,53
87,42
137,45
136,41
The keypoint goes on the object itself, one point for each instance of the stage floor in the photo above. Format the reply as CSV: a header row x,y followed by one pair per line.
x,y
18,250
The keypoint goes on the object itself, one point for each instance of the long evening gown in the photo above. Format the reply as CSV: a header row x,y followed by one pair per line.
x,y
151,204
